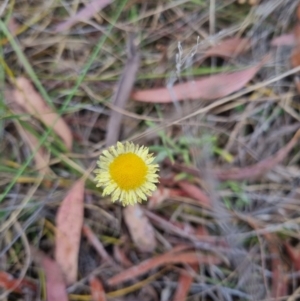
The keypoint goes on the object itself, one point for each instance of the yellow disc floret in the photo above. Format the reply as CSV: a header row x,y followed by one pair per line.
x,y
126,172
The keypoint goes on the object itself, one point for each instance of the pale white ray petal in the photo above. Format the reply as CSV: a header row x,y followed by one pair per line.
x,y
116,195
141,194
149,160
113,150
109,189
107,154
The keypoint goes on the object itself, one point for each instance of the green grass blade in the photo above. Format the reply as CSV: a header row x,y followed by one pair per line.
x,y
69,98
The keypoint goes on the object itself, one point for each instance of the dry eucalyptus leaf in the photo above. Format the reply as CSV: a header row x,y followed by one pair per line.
x,y
140,228
69,221
29,99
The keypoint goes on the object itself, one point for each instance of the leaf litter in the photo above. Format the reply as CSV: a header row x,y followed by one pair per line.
x,y
97,290
191,216
140,228
26,96
248,172
83,15
41,156
229,48
184,284
55,283
8,282
176,255
69,221
207,88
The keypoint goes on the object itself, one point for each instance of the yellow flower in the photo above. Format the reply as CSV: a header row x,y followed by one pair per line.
x,y
127,173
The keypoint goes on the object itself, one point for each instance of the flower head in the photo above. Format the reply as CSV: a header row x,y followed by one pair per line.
x,y
127,173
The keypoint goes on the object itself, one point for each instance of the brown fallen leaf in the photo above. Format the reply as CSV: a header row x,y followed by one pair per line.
x,y
55,284
13,26
69,220
248,172
27,97
171,257
229,48
295,55
184,283
279,280
284,40
169,226
122,93
195,193
298,12
258,169
121,257
97,290
84,14
8,282
161,194
140,228
41,156
294,254
95,242
208,88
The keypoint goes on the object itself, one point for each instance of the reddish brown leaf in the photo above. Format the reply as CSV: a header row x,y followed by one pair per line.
x,y
41,157
167,258
183,287
195,193
27,97
69,220
97,290
279,280
121,257
55,284
140,229
294,254
295,56
298,12
161,194
209,88
7,282
13,26
95,242
297,83
284,40
84,14
261,167
229,48
249,172
180,231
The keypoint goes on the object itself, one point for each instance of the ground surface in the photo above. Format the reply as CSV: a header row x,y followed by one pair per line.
x,y
211,87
